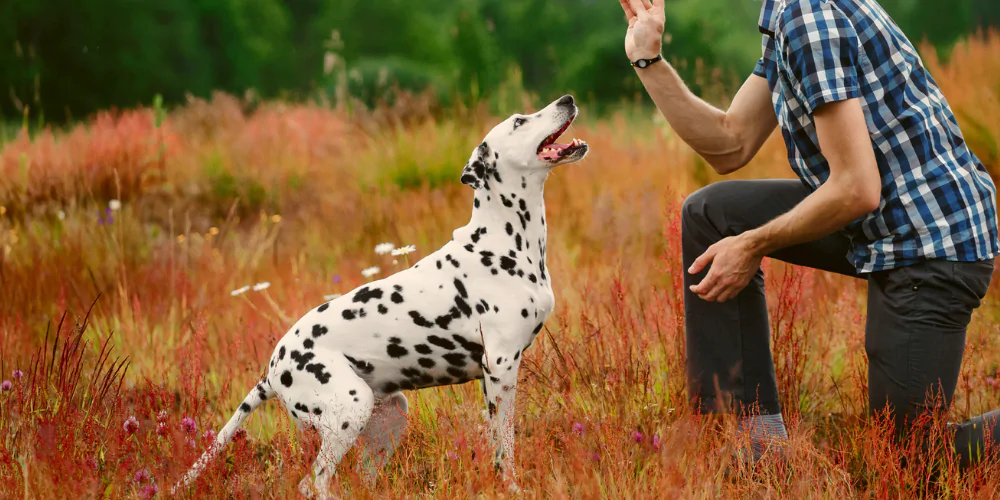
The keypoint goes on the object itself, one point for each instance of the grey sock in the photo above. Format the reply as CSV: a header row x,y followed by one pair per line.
x,y
763,429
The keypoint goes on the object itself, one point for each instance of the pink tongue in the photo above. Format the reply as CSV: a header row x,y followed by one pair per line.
x,y
553,153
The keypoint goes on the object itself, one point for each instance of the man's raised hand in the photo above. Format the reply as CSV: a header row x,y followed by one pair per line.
x,y
646,19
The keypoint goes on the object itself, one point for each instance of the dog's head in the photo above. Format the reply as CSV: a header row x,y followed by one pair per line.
x,y
525,144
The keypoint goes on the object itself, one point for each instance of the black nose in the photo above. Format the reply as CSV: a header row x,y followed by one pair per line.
x,y
566,100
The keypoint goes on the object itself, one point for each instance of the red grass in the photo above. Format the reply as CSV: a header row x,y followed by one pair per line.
x,y
220,197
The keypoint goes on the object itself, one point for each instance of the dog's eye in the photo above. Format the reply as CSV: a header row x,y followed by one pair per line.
x,y
518,122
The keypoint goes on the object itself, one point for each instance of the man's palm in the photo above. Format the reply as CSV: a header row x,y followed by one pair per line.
x,y
645,28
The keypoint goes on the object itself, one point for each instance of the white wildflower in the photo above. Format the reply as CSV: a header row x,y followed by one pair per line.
x,y
61,215
369,272
404,250
261,286
331,297
239,291
384,248
115,205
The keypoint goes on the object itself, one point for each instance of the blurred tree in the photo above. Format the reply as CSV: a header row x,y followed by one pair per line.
x,y
69,58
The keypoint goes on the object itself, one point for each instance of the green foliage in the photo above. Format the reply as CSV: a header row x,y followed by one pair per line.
x,y
64,59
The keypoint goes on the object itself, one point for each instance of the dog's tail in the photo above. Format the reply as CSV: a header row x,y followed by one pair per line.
x,y
260,393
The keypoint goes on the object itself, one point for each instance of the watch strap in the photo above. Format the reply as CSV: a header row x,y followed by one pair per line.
x,y
645,63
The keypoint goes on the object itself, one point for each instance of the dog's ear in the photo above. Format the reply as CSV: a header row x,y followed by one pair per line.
x,y
480,166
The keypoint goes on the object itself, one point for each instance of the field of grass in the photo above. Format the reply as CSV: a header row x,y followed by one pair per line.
x,y
122,346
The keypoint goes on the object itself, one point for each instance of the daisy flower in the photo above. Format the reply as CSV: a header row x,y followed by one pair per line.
x,y
384,248
239,291
115,205
331,297
369,272
261,286
404,250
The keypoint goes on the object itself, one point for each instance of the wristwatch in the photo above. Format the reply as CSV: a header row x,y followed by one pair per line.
x,y
643,63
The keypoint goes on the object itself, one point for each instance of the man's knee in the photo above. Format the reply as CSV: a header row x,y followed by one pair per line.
x,y
704,206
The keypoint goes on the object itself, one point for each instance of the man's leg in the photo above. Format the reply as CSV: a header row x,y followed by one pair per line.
x,y
729,364
915,340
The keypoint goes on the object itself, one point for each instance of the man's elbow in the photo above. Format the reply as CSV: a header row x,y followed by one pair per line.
x,y
863,198
727,164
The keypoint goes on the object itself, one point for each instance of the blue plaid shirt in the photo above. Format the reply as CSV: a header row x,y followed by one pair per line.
x,y
938,201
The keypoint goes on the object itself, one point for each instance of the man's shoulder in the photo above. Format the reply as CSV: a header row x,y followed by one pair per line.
x,y
796,16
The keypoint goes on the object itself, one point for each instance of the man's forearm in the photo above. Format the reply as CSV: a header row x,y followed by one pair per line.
x,y
827,210
701,125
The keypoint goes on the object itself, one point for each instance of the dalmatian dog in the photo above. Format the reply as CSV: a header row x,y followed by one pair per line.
x,y
465,312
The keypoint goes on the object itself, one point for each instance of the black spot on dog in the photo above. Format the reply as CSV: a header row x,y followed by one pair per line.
x,y
420,320
286,378
302,359
317,411
494,380
348,314
345,425
532,278
395,340
507,263
301,407
365,294
382,309
440,342
468,179
480,309
407,385
524,183
524,225
517,354
496,309
397,288
320,330
470,248
390,387
496,175
444,380
487,258
474,348
507,203
455,372
538,328
352,392
323,307
453,261
522,205
492,408
495,272
455,358
510,228
317,370
396,351
517,241
245,408
308,343
410,372
463,306
475,202
422,348
524,313
426,362
396,298
281,353
439,264
443,321
461,288
362,365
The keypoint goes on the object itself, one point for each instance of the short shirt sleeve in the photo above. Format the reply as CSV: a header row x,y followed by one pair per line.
x,y
819,52
759,69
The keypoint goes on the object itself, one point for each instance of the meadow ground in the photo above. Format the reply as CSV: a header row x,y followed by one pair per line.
x,y
215,196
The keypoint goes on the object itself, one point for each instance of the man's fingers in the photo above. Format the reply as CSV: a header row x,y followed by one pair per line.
x,y
703,260
706,285
658,4
637,7
646,4
628,9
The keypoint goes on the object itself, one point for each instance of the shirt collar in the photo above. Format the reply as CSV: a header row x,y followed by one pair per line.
x,y
768,17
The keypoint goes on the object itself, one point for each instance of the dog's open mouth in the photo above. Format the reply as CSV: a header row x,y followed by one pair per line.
x,y
552,152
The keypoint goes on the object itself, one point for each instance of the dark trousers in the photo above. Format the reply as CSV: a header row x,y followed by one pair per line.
x,y
915,333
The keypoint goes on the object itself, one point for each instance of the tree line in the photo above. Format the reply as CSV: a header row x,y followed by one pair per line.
x,y
65,59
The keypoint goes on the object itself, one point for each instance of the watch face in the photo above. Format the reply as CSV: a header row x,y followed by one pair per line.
x,y
642,63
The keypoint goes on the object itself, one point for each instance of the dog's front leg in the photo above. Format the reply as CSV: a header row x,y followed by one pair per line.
x,y
500,368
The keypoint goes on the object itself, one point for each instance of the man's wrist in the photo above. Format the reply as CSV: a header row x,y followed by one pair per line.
x,y
645,62
757,242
